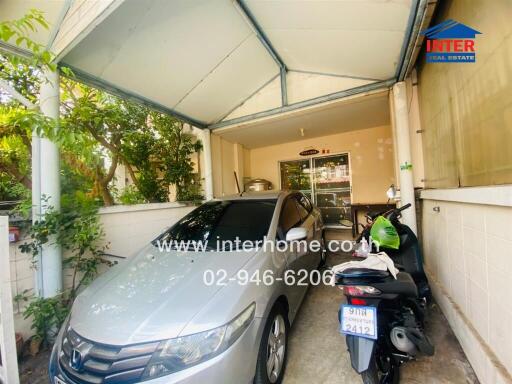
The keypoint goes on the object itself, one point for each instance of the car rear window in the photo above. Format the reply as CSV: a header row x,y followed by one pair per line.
x,y
224,220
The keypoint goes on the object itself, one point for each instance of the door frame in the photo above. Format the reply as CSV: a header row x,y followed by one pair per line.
x,y
311,174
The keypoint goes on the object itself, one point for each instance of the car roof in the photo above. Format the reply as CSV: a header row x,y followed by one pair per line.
x,y
263,195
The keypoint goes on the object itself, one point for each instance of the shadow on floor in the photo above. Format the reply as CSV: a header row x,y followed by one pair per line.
x,y
317,351
318,354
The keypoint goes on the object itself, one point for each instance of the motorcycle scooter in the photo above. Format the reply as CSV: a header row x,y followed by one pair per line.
x,y
383,319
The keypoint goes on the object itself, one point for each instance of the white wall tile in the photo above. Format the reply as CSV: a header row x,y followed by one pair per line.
x,y
12,265
499,253
500,286
459,290
24,267
500,336
479,309
127,230
477,271
499,222
473,216
474,241
470,252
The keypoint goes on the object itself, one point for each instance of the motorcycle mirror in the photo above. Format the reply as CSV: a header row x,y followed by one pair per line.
x,y
391,192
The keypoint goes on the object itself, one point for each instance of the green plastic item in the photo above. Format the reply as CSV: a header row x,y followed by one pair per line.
x,y
384,233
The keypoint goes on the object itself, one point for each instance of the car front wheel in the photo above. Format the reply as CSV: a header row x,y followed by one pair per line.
x,y
273,348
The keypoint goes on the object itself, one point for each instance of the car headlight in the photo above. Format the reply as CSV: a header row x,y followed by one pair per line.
x,y
183,352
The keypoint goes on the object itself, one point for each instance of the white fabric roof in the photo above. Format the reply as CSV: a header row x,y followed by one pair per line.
x,y
212,60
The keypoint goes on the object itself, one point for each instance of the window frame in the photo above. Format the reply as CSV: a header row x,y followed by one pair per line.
x,y
299,196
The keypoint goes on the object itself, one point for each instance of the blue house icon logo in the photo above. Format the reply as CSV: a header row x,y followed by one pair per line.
x,y
450,42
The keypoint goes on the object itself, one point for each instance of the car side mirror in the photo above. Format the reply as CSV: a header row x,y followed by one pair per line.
x,y
297,233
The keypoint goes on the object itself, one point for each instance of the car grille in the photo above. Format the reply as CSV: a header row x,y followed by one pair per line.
x,y
103,364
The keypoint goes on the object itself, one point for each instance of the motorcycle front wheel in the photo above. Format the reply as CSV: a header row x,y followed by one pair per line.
x,y
382,370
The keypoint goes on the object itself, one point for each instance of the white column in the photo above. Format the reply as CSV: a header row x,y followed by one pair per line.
x,y
403,150
36,202
208,173
49,168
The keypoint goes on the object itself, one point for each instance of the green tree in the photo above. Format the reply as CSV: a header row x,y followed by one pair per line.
x,y
98,131
17,120
175,147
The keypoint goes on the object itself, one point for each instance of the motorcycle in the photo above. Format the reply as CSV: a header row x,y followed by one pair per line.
x,y
383,319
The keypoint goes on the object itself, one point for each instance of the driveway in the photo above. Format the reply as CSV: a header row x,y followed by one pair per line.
x,y
318,354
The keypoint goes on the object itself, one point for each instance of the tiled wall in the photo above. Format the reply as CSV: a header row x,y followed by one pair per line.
x,y
127,229
22,279
468,249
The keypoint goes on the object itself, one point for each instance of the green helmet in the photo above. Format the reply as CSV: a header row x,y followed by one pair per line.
x,y
384,233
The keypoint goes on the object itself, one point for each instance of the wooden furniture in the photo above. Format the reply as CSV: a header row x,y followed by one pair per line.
x,y
370,207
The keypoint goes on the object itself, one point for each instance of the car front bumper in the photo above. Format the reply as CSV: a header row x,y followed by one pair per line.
x,y
235,365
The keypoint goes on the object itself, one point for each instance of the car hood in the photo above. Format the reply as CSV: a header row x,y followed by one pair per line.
x,y
151,297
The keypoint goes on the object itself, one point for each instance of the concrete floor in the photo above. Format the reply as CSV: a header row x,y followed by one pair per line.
x,y
317,351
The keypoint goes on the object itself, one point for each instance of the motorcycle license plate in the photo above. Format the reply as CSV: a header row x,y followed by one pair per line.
x,y
359,321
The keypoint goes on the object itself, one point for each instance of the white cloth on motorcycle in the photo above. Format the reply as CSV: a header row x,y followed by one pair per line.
x,y
376,261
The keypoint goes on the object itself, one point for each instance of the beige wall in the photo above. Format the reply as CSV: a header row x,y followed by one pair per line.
x,y
466,115
371,155
223,165
227,158
466,109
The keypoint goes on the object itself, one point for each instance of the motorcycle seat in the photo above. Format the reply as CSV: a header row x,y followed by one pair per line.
x,y
362,273
382,280
402,285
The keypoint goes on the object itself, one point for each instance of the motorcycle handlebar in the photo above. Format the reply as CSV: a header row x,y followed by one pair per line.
x,y
403,208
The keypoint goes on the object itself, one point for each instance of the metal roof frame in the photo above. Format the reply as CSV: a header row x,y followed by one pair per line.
x,y
89,28
15,50
58,24
246,12
306,103
333,75
415,22
419,20
408,33
91,80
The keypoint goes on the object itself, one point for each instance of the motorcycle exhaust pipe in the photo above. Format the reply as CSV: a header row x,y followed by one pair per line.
x,y
411,341
401,342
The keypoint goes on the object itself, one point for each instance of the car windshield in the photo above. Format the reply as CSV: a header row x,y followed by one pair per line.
x,y
216,222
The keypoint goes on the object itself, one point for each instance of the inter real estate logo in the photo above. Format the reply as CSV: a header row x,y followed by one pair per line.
x,y
450,42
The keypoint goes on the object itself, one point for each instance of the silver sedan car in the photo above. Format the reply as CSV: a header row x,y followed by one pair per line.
x,y
211,300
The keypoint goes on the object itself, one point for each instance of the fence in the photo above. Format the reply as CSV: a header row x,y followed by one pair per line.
x,y
9,358
127,230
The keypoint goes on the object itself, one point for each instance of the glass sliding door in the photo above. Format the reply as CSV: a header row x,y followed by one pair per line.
x,y
296,175
326,181
332,189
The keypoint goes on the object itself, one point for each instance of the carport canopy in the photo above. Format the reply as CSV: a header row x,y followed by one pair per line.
x,y
220,62
246,68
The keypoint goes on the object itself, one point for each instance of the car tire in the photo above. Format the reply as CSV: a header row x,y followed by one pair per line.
x,y
273,347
